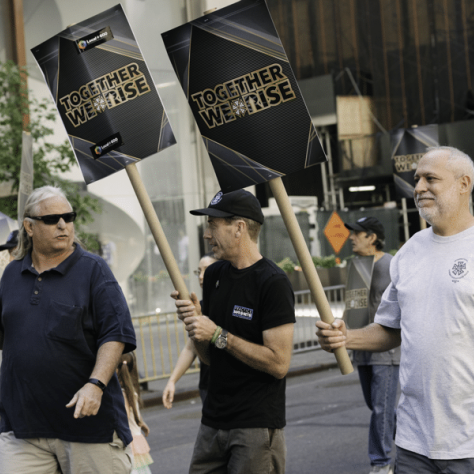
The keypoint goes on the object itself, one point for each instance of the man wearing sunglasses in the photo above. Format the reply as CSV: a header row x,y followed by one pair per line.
x,y
64,324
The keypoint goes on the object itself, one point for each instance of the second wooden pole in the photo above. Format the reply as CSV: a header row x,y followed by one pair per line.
x,y
309,270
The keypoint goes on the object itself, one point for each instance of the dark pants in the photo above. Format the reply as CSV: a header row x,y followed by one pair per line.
x,y
239,451
379,386
409,463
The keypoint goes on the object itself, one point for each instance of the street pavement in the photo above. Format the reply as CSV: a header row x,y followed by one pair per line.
x,y
327,422
301,363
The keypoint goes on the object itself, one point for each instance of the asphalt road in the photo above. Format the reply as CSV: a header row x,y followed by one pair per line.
x,y
326,432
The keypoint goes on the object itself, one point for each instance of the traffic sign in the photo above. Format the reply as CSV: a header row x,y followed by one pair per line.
x,y
336,232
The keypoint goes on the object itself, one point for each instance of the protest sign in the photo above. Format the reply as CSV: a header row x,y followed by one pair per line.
x,y
244,95
359,278
249,109
109,106
104,94
408,146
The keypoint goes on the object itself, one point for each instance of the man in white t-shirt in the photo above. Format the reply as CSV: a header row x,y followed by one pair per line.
x,y
428,308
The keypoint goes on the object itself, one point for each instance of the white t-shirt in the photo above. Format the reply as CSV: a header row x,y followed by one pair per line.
x,y
431,299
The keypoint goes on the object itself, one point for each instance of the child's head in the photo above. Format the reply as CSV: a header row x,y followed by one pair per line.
x,y
205,261
128,365
128,375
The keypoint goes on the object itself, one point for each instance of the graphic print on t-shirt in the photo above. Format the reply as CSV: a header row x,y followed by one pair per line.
x,y
459,269
241,312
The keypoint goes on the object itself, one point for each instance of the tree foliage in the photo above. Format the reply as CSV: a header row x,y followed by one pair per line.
x,y
49,159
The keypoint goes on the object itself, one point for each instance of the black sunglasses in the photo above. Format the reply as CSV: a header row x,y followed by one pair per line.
x,y
53,219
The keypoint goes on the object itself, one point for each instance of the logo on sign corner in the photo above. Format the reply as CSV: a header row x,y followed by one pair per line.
x,y
106,146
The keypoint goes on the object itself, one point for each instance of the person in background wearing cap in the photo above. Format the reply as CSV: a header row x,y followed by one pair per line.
x,y
245,334
11,244
428,308
378,371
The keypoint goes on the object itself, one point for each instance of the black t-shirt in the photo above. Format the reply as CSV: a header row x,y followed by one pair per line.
x,y
203,373
203,376
246,303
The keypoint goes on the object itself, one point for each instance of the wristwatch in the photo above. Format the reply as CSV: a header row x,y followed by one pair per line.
x,y
221,341
97,382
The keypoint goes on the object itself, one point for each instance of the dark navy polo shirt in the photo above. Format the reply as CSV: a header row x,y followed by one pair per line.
x,y
53,325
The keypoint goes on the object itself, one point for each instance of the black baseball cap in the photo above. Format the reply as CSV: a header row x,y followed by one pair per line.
x,y
239,203
365,224
12,241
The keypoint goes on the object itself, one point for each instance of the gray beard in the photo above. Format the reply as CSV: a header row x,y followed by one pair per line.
x,y
429,215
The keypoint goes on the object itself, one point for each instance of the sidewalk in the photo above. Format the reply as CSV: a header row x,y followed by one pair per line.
x,y
301,363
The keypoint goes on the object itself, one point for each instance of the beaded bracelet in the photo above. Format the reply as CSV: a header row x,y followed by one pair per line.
x,y
216,334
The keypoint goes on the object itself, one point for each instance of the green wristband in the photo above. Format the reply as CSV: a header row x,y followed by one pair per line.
x,y
216,334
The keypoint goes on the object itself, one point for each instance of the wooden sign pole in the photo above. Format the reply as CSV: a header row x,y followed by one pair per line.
x,y
157,231
306,262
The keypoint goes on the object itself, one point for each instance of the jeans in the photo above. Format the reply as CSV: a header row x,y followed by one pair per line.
x,y
408,462
379,386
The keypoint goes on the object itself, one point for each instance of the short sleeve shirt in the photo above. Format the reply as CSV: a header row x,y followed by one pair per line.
x,y
245,302
53,325
431,300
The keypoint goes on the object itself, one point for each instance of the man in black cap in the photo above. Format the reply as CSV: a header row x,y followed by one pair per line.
x,y
245,334
378,371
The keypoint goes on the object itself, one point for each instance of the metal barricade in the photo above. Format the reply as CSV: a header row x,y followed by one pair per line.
x,y
160,339
161,336
306,316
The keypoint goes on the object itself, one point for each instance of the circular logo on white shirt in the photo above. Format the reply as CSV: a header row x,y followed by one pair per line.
x,y
459,269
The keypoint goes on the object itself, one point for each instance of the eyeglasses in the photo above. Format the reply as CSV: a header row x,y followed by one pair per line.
x,y
197,272
53,219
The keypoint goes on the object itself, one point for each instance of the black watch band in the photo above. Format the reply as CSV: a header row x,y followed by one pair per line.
x,y
97,382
